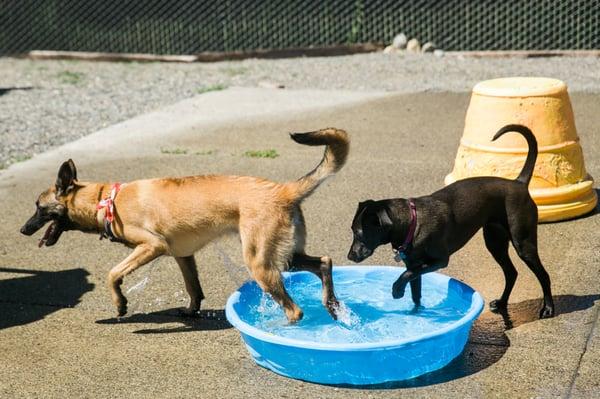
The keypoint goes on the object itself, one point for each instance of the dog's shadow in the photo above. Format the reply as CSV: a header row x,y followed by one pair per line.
x,y
206,320
6,90
488,341
34,294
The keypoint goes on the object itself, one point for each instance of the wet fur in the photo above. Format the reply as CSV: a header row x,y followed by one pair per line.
x,y
179,216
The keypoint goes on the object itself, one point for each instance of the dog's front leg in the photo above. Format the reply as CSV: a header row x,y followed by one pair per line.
x,y
141,255
414,274
399,286
415,291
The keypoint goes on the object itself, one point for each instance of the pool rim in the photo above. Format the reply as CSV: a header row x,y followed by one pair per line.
x,y
244,328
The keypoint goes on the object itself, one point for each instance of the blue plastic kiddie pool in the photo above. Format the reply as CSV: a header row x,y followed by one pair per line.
x,y
376,339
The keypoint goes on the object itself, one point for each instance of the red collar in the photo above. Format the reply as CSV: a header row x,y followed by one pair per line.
x,y
410,235
108,204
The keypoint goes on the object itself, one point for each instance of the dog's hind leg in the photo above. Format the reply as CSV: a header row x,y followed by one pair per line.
x,y
189,271
527,250
496,240
269,279
523,231
141,255
264,259
321,266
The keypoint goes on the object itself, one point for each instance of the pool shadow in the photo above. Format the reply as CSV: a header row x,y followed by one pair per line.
x,y
488,341
206,320
35,294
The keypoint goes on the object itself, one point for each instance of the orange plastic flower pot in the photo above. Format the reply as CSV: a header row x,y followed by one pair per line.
x,y
560,186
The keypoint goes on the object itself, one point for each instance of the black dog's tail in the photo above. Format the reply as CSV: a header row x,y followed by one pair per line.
x,y
527,171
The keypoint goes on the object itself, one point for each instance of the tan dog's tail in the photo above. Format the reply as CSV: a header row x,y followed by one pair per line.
x,y
337,147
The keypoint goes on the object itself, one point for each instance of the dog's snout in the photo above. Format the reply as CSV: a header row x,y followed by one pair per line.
x,y
358,253
351,256
27,230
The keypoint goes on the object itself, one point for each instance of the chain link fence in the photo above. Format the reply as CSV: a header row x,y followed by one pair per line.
x,y
194,26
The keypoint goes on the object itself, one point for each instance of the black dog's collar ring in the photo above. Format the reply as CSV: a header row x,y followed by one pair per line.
x,y
400,252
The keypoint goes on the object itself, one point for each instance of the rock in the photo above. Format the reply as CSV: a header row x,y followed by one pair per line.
x,y
400,41
428,47
270,85
413,46
438,53
391,50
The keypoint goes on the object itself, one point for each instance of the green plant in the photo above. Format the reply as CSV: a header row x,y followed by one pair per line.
x,y
234,71
206,152
262,154
174,151
357,22
206,89
69,77
21,158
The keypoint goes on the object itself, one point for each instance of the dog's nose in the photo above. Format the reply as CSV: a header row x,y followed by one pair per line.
x,y
25,231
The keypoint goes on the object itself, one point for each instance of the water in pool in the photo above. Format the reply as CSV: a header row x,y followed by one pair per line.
x,y
368,312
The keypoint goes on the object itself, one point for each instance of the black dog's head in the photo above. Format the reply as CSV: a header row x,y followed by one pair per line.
x,y
51,206
371,228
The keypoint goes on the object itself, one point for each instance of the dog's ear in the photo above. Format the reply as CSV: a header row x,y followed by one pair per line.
x,y
67,175
384,218
364,204
359,215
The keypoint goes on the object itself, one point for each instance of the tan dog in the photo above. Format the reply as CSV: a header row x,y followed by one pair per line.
x,y
179,216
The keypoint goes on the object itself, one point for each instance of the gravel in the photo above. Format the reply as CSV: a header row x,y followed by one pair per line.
x,y
46,103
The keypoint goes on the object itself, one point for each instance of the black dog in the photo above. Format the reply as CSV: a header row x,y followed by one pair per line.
x,y
425,231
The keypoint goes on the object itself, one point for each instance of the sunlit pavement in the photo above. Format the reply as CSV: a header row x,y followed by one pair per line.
x,y
59,334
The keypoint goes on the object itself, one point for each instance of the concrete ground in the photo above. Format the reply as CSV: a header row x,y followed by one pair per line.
x,y
58,331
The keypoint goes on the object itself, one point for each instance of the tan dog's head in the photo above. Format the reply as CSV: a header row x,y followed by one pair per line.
x,y
51,206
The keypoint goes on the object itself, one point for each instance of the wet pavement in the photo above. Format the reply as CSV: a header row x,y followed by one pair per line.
x,y
58,331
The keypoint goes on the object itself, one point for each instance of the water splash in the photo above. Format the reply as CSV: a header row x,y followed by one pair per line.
x,y
266,308
139,287
346,317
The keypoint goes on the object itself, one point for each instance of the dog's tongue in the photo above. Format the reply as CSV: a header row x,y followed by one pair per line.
x,y
46,235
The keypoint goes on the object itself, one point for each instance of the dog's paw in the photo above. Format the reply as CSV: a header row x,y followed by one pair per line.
x,y
294,316
122,310
497,305
333,307
546,312
398,291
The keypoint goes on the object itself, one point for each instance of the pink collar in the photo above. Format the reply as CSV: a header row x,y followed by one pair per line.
x,y
400,252
108,204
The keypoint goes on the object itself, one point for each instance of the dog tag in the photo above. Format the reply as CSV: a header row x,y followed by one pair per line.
x,y
399,256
